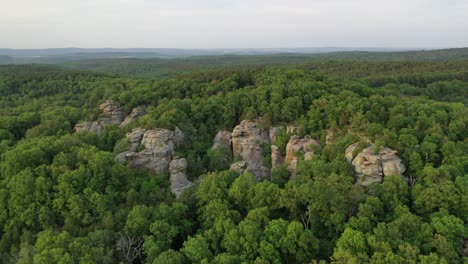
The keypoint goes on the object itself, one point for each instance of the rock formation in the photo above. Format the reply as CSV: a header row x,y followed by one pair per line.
x,y
222,140
297,145
247,140
179,181
136,113
158,148
276,158
93,127
112,116
371,166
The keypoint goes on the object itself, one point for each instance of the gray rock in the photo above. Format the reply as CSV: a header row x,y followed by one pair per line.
x,y
247,139
296,145
371,166
276,158
136,113
179,181
222,140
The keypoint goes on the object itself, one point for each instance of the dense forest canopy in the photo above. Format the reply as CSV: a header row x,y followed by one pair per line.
x,y
64,198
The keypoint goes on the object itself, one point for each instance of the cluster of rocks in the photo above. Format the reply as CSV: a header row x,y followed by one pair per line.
x,y
371,164
246,143
154,150
113,115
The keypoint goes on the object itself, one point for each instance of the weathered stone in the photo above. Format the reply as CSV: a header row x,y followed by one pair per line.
x,y
178,178
239,166
349,152
114,112
222,140
136,113
92,127
158,149
134,138
179,136
247,140
371,166
276,158
304,145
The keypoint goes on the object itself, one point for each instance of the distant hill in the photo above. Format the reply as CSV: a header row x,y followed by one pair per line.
x,y
6,59
159,67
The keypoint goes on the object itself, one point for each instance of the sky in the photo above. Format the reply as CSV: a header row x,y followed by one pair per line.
x,y
233,24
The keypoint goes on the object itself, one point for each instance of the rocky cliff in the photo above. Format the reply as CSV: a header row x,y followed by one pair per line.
x,y
179,181
112,115
371,165
247,140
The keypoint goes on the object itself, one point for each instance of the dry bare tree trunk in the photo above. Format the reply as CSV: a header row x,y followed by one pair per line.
x,y
129,248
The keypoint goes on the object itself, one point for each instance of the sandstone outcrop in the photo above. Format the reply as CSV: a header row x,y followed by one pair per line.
x,y
247,140
151,149
222,140
93,127
297,145
178,178
112,115
371,166
276,158
136,113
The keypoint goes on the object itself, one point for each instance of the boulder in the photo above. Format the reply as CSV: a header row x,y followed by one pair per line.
x,y
113,116
136,113
178,178
90,126
371,166
222,140
296,145
113,113
349,152
239,166
159,145
134,138
247,140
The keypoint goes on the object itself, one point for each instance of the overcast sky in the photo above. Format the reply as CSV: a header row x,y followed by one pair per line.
x,y
233,24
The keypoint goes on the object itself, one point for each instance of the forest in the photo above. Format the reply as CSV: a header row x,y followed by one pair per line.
x,y
65,197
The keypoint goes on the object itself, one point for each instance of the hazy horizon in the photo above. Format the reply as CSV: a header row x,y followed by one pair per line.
x,y
222,24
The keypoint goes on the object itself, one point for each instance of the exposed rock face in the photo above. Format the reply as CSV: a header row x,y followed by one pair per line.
x,y
159,145
222,140
349,152
93,127
179,181
113,110
113,116
274,132
247,139
239,166
276,158
136,113
134,138
304,145
372,166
